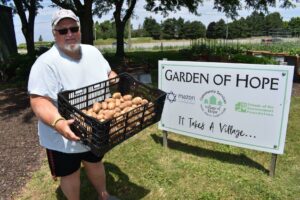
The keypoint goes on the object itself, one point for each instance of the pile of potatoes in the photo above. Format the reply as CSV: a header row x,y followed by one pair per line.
x,y
116,106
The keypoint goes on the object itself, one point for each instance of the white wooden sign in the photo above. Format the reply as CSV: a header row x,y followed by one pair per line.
x,y
243,105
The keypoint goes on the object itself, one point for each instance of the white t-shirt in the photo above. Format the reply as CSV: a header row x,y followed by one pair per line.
x,y
54,72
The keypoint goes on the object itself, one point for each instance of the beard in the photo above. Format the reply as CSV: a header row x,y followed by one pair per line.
x,y
72,47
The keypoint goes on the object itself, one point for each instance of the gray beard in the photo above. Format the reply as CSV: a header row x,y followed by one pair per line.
x,y
71,47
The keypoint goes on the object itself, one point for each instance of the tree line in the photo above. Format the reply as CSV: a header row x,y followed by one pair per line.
x,y
122,11
256,24
169,29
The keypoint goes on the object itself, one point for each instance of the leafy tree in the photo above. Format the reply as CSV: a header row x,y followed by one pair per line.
x,y
294,25
179,28
27,11
273,23
194,30
139,32
40,38
220,29
234,29
211,30
121,17
256,23
169,29
152,28
106,29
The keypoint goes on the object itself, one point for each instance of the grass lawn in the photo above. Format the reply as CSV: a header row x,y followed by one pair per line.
x,y
141,168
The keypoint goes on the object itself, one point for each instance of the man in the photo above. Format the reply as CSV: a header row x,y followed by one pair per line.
x,y
67,65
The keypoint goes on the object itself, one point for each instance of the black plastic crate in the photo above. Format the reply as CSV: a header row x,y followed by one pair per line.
x,y
103,136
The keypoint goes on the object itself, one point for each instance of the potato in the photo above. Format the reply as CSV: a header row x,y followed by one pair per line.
x,y
111,105
94,115
104,105
118,102
123,105
128,103
100,116
117,114
96,107
90,112
127,97
126,109
108,100
144,101
137,100
117,95
109,115
117,109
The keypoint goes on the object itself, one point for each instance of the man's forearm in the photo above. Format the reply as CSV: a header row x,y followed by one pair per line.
x,y
44,109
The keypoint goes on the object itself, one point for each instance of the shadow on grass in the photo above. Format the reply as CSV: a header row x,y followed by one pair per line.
x,y
117,183
222,156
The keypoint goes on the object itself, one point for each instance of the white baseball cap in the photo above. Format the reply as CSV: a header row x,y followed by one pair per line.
x,y
61,14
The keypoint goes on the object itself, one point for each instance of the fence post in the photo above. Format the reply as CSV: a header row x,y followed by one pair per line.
x,y
165,133
273,165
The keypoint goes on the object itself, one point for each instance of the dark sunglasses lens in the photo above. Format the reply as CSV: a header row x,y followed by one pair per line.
x,y
63,31
74,29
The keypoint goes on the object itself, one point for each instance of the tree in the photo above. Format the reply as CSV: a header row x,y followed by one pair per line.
x,y
169,29
256,23
211,30
220,29
194,30
84,12
273,23
106,29
40,38
294,26
121,17
27,11
152,28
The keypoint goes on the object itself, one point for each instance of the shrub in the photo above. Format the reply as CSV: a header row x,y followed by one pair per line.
x,y
16,68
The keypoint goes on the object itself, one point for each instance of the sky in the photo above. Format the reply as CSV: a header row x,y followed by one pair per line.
x,y
208,14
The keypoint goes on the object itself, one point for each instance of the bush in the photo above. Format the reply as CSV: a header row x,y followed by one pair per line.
x,y
240,58
16,68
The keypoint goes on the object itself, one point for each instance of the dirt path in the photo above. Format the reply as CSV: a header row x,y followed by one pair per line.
x,y
20,153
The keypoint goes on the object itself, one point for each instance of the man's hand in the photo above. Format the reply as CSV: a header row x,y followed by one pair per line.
x,y
63,127
45,110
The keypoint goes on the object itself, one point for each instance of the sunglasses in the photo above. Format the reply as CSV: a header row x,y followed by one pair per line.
x,y
64,31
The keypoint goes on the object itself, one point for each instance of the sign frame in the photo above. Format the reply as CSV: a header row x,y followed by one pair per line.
x,y
288,70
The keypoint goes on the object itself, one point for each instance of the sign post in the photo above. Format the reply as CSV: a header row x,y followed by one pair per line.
x,y
243,105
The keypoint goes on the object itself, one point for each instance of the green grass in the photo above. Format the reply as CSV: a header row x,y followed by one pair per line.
x,y
141,168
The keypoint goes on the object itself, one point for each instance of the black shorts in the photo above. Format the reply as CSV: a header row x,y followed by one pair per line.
x,y
63,164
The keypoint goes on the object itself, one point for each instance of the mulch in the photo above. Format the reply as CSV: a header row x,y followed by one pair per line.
x,y
20,153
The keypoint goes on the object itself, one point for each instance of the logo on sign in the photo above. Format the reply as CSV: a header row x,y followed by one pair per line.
x,y
213,103
181,98
171,97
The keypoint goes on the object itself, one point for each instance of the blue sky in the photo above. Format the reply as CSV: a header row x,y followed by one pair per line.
x,y
208,14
